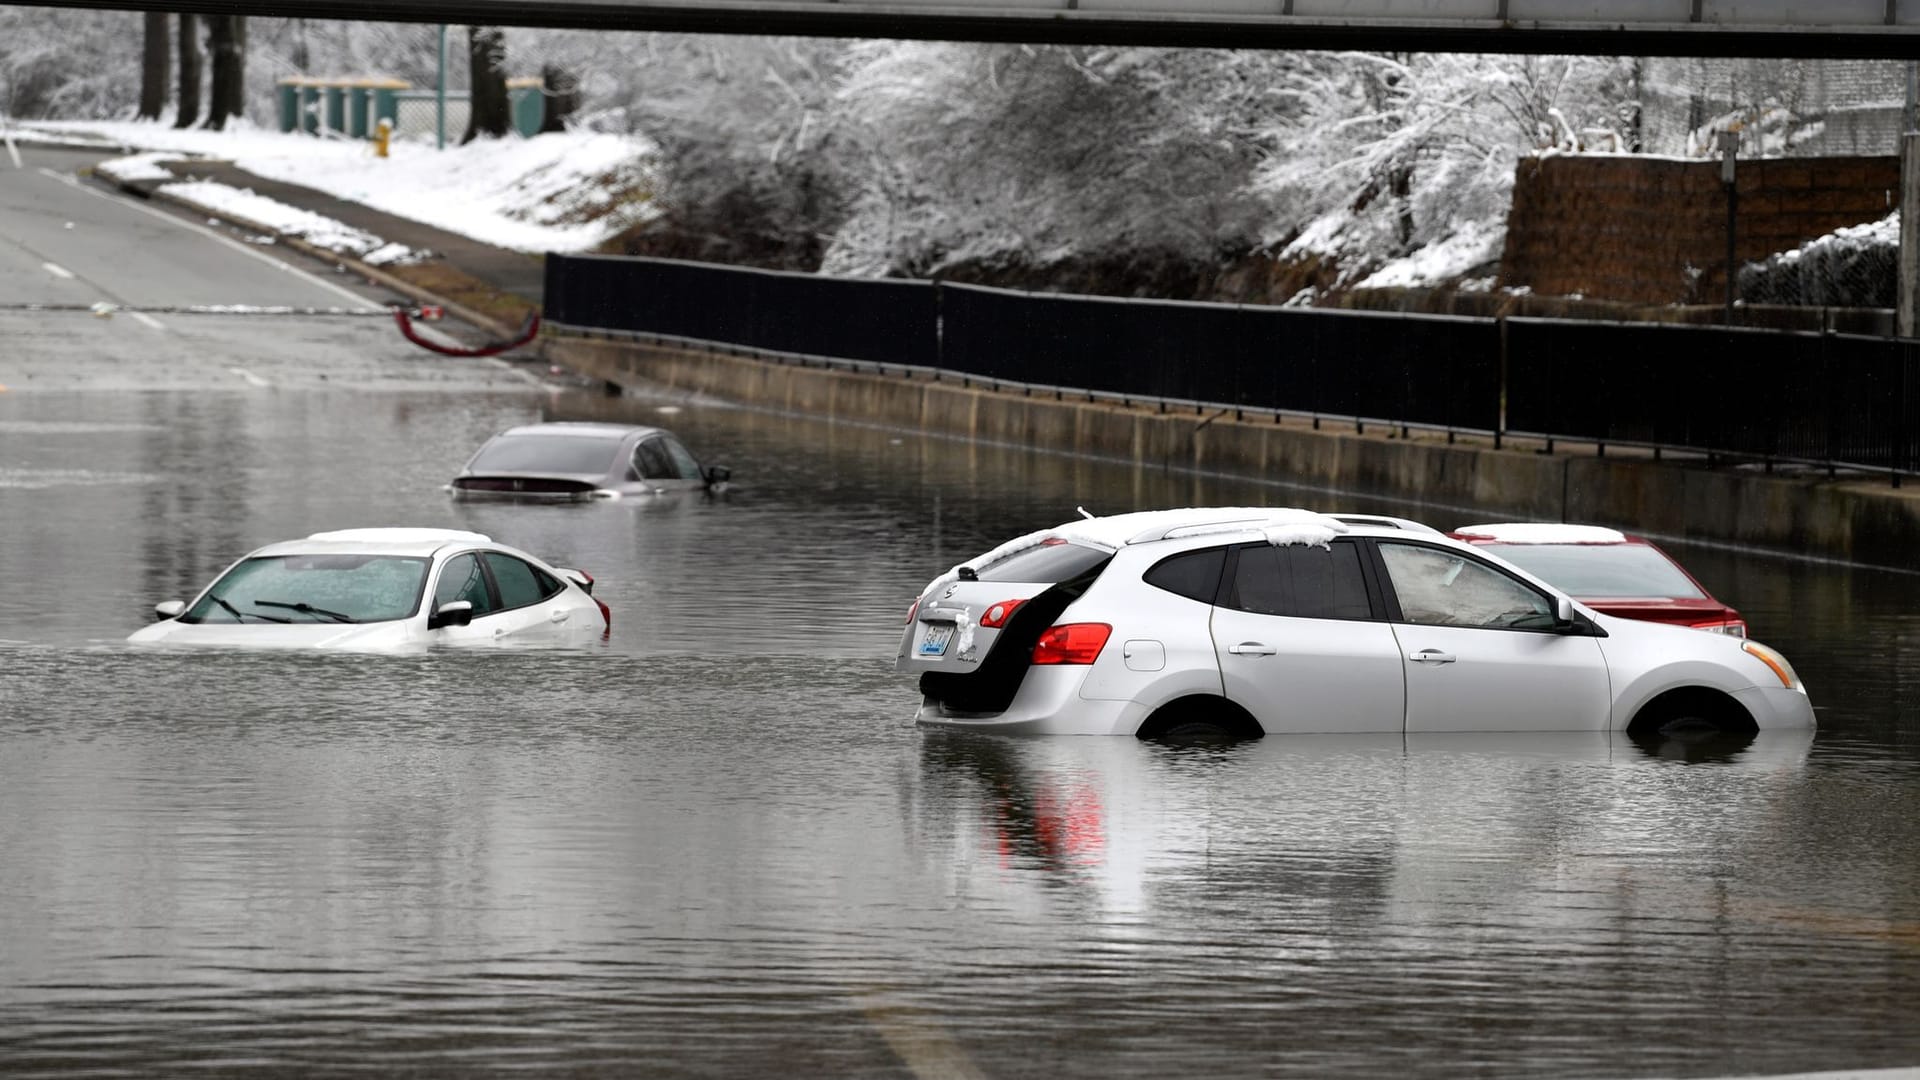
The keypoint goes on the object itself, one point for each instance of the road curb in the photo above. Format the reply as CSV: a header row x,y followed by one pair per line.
x,y
153,192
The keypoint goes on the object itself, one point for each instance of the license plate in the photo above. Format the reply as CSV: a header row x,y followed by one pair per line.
x,y
938,637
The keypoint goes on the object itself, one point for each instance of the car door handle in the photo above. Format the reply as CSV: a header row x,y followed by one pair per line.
x,y
558,617
1252,648
1431,656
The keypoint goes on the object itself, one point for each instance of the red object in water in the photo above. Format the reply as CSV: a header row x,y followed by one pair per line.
x,y
528,331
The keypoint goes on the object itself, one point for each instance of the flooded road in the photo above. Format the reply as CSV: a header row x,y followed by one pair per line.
x,y
715,845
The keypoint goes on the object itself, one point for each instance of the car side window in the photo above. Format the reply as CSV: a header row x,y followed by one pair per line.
x,y
520,584
651,461
684,464
1300,580
461,579
1445,588
1192,574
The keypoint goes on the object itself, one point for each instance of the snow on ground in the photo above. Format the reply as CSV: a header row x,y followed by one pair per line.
x,y
1475,244
138,167
278,217
561,191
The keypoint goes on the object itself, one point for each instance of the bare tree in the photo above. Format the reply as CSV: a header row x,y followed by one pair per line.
x,y
487,109
189,71
155,65
227,41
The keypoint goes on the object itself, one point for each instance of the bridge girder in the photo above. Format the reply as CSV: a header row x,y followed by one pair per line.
x,y
1811,29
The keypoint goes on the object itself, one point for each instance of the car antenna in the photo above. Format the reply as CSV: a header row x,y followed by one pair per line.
x,y
1084,513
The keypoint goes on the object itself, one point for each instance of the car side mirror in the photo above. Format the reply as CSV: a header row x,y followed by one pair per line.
x,y
168,609
1563,616
718,474
451,613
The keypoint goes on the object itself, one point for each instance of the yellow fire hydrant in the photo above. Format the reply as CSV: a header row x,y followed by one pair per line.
x,y
382,134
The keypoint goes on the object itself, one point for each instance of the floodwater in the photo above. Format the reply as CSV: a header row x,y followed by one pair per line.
x,y
715,845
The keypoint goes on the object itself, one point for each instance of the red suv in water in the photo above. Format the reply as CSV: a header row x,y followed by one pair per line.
x,y
1608,571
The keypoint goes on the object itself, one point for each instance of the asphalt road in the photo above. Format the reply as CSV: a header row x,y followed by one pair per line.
x,y
100,290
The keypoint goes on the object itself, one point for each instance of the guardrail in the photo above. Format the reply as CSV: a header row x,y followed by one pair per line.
x,y
1826,400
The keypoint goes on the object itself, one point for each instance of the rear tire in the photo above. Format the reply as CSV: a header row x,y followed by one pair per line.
x,y
1203,721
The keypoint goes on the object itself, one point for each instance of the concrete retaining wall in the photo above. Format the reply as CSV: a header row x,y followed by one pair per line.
x,y
1862,521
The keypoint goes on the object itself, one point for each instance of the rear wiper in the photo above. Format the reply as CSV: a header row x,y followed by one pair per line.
x,y
304,608
241,616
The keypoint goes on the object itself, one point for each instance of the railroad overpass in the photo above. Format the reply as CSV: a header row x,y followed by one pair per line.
x,y
1879,29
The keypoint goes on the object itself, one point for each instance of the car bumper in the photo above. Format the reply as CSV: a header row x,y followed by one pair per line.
x,y
1777,708
1048,703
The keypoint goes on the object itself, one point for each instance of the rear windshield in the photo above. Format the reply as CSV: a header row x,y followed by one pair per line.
x,y
547,454
1601,570
1051,563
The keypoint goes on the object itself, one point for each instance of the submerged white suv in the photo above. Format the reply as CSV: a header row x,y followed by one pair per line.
x,y
1254,620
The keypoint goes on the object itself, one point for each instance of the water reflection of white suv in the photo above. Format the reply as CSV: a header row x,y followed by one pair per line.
x,y
1259,620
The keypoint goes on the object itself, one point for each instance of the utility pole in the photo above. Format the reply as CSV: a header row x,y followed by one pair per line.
x,y
1910,208
440,95
1729,153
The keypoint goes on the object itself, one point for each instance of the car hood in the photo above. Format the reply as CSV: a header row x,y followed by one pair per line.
x,y
369,636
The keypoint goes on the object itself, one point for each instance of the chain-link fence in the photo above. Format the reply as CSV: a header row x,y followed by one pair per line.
x,y
1855,267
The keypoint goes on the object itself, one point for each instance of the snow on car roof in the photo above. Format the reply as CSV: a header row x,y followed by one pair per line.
x,y
583,428
399,536
1543,532
1282,525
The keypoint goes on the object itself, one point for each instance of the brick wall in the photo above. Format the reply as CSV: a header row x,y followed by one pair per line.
x,y
1653,230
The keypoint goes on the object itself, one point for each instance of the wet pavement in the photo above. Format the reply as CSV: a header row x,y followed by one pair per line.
x,y
714,844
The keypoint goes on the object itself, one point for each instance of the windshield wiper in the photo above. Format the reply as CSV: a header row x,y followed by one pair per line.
x,y
304,608
241,616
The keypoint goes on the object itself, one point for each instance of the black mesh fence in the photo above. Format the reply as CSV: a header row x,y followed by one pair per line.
x,y
1751,393
1759,394
855,319
1431,371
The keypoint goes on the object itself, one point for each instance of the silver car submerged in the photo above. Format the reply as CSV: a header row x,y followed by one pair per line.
x,y
1252,620
570,461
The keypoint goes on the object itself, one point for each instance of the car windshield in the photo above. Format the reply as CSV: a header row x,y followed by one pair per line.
x,y
1601,570
594,455
314,588
1050,563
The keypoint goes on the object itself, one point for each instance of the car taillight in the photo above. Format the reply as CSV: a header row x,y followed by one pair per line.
x,y
1731,627
912,610
606,613
1071,643
996,615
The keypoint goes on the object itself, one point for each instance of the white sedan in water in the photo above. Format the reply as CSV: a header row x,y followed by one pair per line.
x,y
1256,620
383,589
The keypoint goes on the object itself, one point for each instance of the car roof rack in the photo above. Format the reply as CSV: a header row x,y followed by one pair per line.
x,y
1239,522
1382,521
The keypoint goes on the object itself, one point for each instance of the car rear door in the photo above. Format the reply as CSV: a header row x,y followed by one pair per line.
x,y
1301,644
1479,648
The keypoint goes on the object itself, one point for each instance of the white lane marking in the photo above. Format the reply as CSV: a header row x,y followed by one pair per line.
x,y
145,319
252,379
57,271
13,151
360,303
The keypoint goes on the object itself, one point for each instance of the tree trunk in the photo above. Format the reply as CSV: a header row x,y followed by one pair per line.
x,y
562,91
227,42
189,71
487,111
156,65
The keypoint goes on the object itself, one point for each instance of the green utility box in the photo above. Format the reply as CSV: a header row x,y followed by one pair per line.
x,y
527,104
